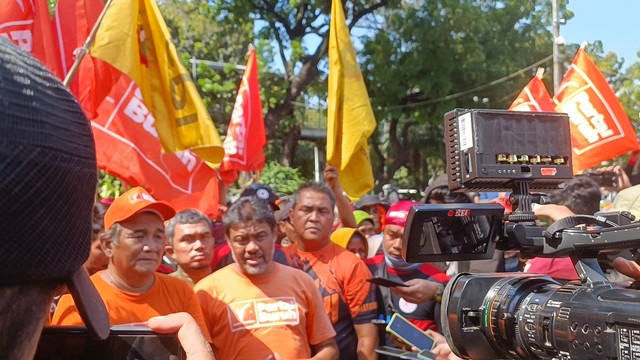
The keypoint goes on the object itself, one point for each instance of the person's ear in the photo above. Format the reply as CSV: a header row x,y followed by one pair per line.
x,y
107,245
168,249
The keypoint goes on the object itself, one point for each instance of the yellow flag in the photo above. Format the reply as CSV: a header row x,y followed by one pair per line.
x,y
134,38
350,119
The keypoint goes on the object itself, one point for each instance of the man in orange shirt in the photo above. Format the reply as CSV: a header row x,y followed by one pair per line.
x,y
191,242
339,274
256,308
131,288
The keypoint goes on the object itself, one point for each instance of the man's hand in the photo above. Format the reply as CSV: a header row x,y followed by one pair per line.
x,y
553,211
621,175
418,291
627,267
330,175
345,212
441,349
189,334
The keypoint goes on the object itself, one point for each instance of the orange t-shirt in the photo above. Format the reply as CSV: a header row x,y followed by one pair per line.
x,y
349,299
248,318
167,295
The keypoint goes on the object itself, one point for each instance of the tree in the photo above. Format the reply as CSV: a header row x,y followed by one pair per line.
x,y
415,77
420,59
628,92
292,33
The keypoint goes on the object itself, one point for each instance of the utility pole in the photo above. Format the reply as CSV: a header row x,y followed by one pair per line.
x,y
556,40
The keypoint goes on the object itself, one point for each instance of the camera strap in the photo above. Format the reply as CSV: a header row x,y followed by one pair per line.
x,y
554,232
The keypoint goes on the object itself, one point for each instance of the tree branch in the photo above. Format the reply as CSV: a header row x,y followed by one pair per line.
x,y
270,8
366,11
283,56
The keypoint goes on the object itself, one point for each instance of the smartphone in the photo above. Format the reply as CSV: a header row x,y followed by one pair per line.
x,y
124,342
409,333
606,179
395,353
386,282
426,355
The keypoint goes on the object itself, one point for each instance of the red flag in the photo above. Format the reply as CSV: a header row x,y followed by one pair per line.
x,y
127,144
245,141
31,26
534,96
600,129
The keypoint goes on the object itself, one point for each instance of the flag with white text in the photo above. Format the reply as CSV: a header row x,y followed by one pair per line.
x,y
245,140
600,129
534,97
134,39
127,144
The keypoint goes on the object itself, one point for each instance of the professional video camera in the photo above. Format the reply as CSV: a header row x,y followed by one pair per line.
x,y
514,315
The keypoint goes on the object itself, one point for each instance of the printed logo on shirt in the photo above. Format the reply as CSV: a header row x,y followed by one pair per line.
x,y
257,313
406,306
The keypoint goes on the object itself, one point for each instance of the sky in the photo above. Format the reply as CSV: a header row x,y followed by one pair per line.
x,y
615,22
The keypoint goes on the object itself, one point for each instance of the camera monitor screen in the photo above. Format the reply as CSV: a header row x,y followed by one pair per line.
x,y
446,232
124,342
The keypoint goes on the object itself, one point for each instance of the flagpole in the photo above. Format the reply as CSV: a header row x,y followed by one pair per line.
x,y
82,51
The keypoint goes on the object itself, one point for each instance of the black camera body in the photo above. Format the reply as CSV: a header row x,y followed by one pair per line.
x,y
524,316
515,315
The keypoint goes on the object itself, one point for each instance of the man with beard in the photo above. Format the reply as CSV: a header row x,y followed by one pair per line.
x,y
190,245
256,308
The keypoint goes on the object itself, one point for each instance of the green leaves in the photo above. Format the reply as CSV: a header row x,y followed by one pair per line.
x,y
109,186
283,179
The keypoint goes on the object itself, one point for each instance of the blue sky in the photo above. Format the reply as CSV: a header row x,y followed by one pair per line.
x,y
615,22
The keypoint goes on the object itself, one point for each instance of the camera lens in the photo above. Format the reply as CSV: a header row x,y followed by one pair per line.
x,y
490,316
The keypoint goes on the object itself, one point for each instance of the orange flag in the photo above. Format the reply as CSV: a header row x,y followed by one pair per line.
x,y
534,96
600,129
127,143
245,141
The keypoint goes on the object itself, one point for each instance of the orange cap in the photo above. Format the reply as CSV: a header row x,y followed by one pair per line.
x,y
132,202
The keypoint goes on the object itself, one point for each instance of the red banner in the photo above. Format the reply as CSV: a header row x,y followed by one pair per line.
x,y
245,141
534,97
127,144
600,129
29,25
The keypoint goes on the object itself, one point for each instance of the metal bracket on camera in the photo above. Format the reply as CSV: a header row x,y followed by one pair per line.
x,y
588,270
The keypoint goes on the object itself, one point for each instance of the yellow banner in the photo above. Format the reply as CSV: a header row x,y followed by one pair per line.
x,y
134,38
350,119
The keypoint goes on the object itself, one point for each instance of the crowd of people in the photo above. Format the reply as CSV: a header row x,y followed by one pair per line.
x,y
274,278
